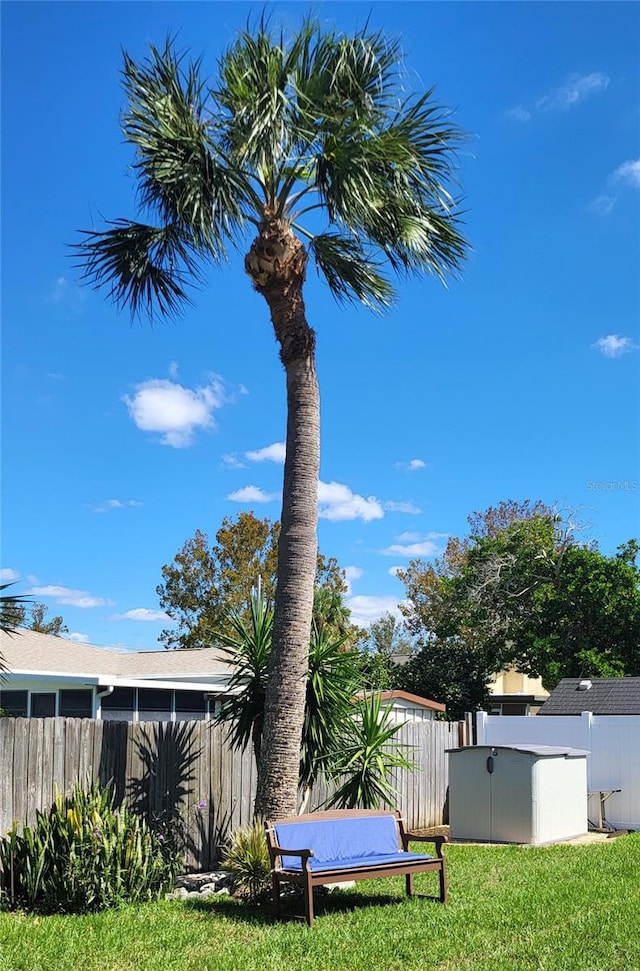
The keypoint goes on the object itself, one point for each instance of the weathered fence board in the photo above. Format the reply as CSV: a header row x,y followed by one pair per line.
x,y
164,768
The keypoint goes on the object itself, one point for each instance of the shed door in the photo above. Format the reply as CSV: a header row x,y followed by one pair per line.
x,y
471,795
511,797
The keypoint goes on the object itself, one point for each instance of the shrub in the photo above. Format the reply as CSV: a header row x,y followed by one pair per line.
x,y
84,855
247,859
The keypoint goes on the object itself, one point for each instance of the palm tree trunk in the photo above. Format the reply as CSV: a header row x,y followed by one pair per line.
x,y
277,265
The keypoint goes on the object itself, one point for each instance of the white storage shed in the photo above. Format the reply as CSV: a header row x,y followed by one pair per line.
x,y
532,794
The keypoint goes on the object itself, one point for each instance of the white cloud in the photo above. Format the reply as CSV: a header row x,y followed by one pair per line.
x,y
614,346
173,369
72,598
393,570
412,465
365,609
233,461
338,503
408,507
270,453
415,544
252,493
352,572
426,548
78,637
173,411
115,504
575,89
518,113
8,575
629,172
144,614
603,204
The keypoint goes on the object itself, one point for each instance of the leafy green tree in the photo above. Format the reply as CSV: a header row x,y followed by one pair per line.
x,y
450,672
385,640
35,619
586,620
203,583
313,146
206,583
522,591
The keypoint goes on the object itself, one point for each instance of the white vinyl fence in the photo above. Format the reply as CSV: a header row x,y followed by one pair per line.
x,y
613,743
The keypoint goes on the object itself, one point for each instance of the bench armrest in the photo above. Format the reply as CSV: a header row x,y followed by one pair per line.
x,y
419,838
281,851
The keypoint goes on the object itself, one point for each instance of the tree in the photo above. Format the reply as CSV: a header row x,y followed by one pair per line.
x,y
11,612
205,585
385,640
36,620
521,591
450,672
313,146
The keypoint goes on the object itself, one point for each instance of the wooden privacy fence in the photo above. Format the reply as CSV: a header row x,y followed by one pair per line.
x,y
165,768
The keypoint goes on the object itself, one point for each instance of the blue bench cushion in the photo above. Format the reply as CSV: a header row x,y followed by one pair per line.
x,y
338,843
379,859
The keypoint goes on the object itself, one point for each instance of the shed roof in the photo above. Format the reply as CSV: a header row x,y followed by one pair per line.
x,y
606,696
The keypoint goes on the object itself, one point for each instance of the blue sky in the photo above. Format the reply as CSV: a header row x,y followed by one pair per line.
x,y
518,381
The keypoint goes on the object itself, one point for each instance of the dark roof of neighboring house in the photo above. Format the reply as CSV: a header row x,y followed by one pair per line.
x,y
606,696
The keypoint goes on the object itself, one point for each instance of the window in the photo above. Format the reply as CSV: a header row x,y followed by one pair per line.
x,y
76,703
154,704
118,706
190,705
14,703
43,704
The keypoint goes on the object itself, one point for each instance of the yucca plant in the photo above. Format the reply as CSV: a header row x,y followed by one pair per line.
x,y
365,756
83,855
247,859
311,145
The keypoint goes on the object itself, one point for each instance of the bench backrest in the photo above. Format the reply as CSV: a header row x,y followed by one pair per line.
x,y
340,838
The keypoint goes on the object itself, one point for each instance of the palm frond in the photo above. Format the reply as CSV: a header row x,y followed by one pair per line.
x,y
180,170
254,91
351,275
248,648
144,267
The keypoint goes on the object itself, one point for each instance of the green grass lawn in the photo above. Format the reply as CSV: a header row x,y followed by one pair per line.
x,y
565,908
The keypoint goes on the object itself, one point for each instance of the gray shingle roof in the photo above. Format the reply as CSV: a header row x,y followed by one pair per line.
x,y
31,651
606,696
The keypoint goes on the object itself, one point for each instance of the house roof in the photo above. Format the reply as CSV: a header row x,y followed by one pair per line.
x,y
28,651
606,696
409,699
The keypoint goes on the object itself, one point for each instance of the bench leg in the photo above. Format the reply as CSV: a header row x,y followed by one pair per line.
x,y
308,902
275,882
443,884
409,882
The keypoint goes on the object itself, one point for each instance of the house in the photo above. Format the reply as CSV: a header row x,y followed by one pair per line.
x,y
600,696
49,676
514,693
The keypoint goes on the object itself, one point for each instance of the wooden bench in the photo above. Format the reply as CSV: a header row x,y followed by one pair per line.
x,y
346,844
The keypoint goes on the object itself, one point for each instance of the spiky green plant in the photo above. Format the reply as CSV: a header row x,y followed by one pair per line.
x,y
247,859
84,854
365,756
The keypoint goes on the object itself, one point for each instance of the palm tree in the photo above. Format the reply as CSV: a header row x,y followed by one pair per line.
x,y
313,147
